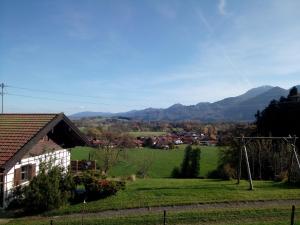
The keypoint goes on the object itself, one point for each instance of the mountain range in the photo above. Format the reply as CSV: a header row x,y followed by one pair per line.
x,y
236,109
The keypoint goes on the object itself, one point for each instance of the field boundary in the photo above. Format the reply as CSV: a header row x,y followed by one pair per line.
x,y
181,208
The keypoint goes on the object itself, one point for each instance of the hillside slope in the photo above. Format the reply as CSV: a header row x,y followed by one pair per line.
x,y
239,108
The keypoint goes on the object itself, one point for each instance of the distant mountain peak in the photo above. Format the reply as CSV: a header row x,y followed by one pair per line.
x,y
256,91
177,105
239,108
259,89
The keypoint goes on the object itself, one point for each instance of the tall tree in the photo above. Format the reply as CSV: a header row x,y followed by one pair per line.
x,y
185,166
190,166
293,91
195,162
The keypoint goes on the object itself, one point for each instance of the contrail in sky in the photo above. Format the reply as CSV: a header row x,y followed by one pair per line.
x,y
222,49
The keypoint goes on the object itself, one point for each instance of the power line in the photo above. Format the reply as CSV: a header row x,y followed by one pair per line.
x,y
53,92
54,99
59,100
56,92
62,93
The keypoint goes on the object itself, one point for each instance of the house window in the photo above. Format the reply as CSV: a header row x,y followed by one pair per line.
x,y
24,172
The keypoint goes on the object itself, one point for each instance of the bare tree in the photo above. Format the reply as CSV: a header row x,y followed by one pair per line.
x,y
111,145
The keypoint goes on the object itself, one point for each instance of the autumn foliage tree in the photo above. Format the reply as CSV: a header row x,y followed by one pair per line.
x,y
110,147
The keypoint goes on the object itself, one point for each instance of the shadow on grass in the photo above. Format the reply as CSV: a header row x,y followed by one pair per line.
x,y
229,187
9,214
286,185
232,186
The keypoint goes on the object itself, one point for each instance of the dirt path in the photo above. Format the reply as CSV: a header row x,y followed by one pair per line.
x,y
177,208
182,208
4,221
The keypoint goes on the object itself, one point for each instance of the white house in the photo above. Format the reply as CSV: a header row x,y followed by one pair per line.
x,y
28,139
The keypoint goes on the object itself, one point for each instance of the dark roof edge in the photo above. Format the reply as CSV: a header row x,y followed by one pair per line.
x,y
40,134
76,130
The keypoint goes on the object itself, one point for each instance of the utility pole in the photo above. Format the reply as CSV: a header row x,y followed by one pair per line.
x,y
2,95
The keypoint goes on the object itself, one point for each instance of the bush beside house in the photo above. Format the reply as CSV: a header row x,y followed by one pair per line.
x,y
53,188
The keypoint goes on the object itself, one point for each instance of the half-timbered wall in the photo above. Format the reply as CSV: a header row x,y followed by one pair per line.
x,y
13,177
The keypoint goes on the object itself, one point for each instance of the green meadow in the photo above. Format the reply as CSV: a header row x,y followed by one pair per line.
x,y
146,133
160,162
160,190
251,216
169,192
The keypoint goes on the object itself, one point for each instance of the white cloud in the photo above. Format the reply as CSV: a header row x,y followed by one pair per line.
x,y
222,7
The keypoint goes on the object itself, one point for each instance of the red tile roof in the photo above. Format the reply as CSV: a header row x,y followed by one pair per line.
x,y
18,129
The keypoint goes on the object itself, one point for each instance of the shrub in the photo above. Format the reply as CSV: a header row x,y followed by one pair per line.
x,y
50,189
227,172
97,188
283,176
224,171
176,172
16,198
132,177
214,174
102,188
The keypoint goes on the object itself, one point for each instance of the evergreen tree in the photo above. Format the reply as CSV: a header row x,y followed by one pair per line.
x,y
50,189
293,91
185,166
190,166
195,163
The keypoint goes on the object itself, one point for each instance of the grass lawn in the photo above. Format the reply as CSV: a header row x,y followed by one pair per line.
x,y
162,192
162,161
156,191
146,133
266,216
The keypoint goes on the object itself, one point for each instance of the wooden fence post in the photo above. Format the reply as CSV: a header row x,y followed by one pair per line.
x,y
165,215
293,215
76,166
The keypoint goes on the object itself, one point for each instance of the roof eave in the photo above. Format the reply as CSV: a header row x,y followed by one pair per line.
x,y
43,132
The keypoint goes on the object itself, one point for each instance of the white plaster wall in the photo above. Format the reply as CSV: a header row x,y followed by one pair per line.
x,y
59,157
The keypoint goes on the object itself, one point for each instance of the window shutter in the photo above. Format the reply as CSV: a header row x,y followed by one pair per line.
x,y
31,171
17,177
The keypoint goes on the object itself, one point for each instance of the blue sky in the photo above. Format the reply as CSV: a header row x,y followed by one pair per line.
x,y
136,54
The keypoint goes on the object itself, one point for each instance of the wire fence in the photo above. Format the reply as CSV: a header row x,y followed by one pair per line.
x,y
249,216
